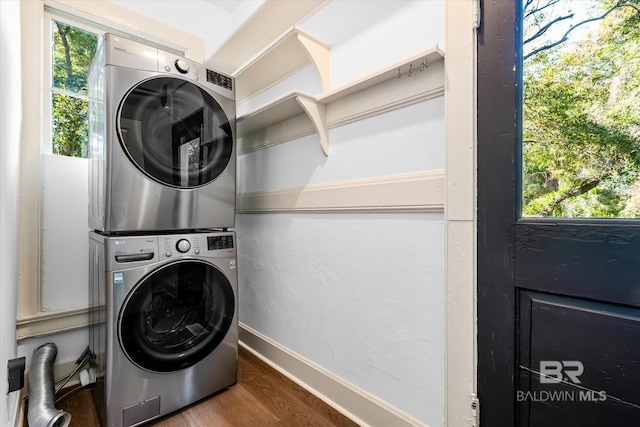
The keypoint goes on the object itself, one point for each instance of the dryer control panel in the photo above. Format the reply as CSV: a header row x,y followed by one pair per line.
x,y
140,55
173,64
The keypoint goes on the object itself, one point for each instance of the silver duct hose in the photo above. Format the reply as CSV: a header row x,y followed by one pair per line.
x,y
42,411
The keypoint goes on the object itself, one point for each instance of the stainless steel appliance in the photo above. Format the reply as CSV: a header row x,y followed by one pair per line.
x,y
161,141
163,322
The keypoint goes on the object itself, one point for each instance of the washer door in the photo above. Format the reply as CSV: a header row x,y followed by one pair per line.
x,y
176,316
175,132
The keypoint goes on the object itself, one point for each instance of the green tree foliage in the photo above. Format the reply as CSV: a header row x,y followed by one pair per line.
x,y
73,51
581,113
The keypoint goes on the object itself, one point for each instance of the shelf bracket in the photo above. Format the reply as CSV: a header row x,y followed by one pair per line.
x,y
318,115
319,55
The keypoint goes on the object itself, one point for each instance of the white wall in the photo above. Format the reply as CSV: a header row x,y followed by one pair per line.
x,y
64,242
64,252
10,119
361,295
367,35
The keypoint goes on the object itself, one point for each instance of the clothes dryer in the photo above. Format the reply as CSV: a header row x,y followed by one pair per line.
x,y
161,141
163,322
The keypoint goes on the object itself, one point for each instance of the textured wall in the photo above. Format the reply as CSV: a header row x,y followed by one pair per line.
x,y
361,294
358,294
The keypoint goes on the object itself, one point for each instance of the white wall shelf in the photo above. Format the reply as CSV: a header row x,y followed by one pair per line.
x,y
413,79
289,53
303,114
267,23
405,68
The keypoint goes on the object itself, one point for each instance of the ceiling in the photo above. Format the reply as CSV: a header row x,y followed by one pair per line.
x,y
227,5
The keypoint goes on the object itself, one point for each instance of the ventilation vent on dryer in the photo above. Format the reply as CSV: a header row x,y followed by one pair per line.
x,y
219,79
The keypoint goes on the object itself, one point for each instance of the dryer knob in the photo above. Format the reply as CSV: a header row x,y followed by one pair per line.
x,y
183,245
182,66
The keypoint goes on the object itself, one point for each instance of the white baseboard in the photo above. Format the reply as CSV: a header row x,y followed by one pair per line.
x,y
356,404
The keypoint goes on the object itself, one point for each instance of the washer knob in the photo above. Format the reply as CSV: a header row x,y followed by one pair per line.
x,y
182,66
183,245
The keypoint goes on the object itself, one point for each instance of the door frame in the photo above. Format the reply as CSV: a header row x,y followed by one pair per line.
x,y
497,188
460,211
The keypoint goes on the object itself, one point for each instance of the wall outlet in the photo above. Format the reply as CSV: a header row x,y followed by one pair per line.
x,y
15,369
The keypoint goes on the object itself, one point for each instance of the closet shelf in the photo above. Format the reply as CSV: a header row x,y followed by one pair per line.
x,y
401,69
259,30
415,78
287,107
289,53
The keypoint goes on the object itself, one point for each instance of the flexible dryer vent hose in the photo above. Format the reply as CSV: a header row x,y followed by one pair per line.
x,y
42,411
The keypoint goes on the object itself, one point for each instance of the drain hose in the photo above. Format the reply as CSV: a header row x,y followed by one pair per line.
x,y
42,411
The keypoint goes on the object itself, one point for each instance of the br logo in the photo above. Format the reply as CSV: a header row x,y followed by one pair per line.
x,y
556,371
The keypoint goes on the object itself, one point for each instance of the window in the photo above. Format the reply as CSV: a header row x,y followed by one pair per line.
x,y
71,52
581,114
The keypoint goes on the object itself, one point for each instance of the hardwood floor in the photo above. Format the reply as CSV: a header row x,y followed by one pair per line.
x,y
263,397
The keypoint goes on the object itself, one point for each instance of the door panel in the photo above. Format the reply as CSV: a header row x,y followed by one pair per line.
x,y
595,261
578,362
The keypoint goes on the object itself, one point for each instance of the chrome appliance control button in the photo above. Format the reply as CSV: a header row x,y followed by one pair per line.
x,y
183,245
182,66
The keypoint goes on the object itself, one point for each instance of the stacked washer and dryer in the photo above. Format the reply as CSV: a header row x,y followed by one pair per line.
x,y
162,262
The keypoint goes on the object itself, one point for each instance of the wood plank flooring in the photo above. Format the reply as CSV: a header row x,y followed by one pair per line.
x,y
263,397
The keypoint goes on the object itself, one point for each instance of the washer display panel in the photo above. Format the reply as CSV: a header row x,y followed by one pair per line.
x,y
175,132
176,316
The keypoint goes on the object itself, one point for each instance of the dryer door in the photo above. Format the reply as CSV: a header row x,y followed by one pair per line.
x,y
176,316
175,132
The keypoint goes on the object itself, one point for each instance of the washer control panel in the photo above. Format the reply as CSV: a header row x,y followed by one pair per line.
x,y
219,244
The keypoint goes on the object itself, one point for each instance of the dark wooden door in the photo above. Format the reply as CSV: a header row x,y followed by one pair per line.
x,y
558,299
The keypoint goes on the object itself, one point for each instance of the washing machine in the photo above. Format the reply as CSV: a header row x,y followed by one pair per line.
x,y
162,143
163,322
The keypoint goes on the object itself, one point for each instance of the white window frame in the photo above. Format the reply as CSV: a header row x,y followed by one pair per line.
x,y
47,62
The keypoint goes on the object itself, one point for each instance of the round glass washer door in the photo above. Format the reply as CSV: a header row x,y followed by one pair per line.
x,y
175,132
176,316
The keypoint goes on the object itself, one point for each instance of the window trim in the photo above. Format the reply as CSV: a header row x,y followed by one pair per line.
x,y
47,70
